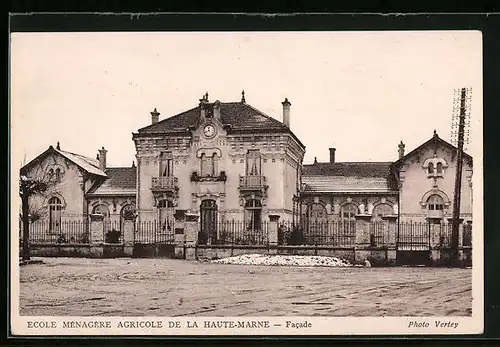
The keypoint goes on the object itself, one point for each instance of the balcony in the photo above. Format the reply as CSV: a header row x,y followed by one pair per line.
x,y
252,183
164,184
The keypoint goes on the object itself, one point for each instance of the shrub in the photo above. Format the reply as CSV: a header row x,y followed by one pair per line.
x,y
113,236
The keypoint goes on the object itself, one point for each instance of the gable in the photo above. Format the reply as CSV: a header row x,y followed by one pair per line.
x,y
434,144
86,164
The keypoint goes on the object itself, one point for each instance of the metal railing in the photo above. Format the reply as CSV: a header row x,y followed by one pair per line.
x,y
252,182
240,233
332,233
154,232
164,182
60,233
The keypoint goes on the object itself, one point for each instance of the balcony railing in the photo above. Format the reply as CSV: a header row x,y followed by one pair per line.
x,y
253,182
164,183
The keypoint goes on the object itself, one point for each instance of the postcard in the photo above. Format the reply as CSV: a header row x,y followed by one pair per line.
x,y
246,183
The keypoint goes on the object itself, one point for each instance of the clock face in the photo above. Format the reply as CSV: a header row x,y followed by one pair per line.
x,y
209,131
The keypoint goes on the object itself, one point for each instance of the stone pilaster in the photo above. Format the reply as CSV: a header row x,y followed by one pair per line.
x,y
272,233
191,229
128,231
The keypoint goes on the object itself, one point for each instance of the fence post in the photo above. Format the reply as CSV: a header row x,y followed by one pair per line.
x,y
180,216
128,234
96,235
362,245
435,233
461,255
272,233
391,239
191,229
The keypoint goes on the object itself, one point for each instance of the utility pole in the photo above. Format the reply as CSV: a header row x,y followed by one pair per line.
x,y
463,95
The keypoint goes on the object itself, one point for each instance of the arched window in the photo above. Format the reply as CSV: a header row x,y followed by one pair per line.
x,y
435,203
253,214
439,168
101,209
430,169
55,208
349,212
58,174
382,210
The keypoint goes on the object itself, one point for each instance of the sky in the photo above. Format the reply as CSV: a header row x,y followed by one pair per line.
x,y
360,92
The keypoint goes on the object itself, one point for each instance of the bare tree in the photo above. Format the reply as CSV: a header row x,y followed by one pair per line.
x,y
29,186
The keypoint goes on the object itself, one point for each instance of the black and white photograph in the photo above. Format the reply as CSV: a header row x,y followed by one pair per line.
x,y
246,183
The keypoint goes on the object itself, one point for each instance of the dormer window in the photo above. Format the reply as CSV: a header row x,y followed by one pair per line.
x,y
208,165
430,169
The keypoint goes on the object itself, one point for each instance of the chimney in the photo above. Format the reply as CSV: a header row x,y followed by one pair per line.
x,y
155,115
217,109
286,112
332,155
58,146
401,150
102,159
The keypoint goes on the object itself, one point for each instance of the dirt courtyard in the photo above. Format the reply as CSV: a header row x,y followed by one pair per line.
x,y
170,288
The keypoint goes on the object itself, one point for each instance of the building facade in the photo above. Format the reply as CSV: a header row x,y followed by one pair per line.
x,y
223,161
228,161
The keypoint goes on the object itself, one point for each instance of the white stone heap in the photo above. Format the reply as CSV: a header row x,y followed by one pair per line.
x,y
284,260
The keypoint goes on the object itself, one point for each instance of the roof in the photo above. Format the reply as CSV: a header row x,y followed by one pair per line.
x,y
351,169
435,139
88,164
341,184
120,181
239,116
347,177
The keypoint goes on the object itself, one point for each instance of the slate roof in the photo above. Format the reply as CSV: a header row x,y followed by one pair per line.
x,y
356,169
88,164
239,116
120,181
348,177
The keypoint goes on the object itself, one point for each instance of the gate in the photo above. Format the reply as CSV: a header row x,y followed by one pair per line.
x,y
155,239
413,244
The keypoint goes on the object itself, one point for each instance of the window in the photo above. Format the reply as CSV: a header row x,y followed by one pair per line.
x,y
253,214
439,169
349,212
55,208
58,174
430,169
382,210
51,174
208,165
166,164
253,163
435,203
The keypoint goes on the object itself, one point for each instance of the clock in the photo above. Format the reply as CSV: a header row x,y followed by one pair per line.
x,y
209,130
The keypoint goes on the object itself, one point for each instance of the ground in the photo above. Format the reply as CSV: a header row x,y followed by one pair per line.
x,y
167,287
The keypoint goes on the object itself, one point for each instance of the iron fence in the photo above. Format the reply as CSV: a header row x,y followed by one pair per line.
x,y
413,236
332,233
377,233
64,232
154,232
239,233
445,235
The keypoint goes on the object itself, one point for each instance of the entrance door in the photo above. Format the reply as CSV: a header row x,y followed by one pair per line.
x,y
208,222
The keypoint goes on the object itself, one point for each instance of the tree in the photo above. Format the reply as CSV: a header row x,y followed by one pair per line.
x,y
28,187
